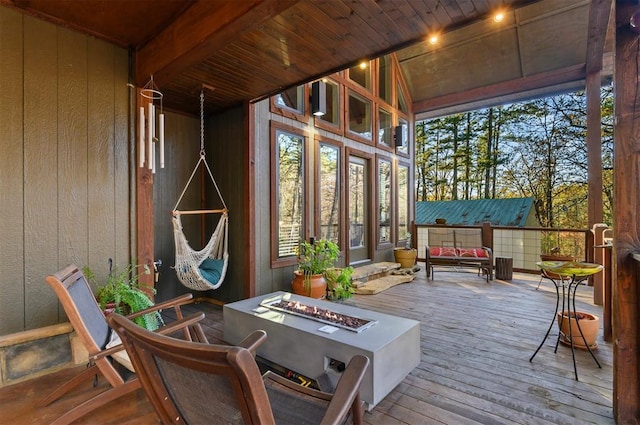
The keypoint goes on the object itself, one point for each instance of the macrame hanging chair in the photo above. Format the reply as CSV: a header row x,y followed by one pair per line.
x,y
205,269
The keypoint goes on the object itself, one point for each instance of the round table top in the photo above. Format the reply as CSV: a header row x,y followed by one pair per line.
x,y
570,268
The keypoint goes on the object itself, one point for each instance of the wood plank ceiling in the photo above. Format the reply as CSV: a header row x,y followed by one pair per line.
x,y
246,50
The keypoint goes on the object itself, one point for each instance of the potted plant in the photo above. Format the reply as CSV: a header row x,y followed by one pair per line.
x,y
339,283
406,256
589,324
314,258
120,293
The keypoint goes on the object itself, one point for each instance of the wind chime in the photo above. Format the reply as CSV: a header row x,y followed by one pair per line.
x,y
147,134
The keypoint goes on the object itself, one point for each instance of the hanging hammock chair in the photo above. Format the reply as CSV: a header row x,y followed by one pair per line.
x,y
205,269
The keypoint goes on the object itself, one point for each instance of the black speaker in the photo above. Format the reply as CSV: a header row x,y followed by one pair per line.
x,y
397,136
319,98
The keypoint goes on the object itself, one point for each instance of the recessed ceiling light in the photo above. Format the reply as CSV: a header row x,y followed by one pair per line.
x,y
363,65
498,17
433,39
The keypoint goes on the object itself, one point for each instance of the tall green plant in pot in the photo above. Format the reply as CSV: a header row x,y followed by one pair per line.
x,y
121,293
313,260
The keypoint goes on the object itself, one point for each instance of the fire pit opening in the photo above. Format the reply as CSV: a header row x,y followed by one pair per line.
x,y
297,308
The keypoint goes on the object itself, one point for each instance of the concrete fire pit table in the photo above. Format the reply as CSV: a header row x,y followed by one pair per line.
x,y
309,347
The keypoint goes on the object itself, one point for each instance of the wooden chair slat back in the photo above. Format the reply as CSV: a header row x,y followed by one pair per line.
x,y
200,383
81,307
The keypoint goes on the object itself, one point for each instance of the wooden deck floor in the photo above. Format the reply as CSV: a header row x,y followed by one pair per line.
x,y
476,340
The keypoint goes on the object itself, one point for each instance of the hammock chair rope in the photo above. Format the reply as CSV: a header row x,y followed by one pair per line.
x,y
204,269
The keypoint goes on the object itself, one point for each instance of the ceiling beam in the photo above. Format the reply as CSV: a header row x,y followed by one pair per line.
x,y
198,33
599,17
518,85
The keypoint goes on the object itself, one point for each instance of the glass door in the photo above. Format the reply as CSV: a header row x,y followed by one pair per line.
x,y
358,210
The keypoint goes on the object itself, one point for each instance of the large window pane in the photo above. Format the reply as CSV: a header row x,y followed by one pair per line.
x,y
360,115
329,192
384,199
357,205
403,202
290,178
402,102
361,74
384,127
384,83
292,98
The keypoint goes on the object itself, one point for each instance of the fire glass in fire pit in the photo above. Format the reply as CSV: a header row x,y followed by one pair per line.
x,y
297,308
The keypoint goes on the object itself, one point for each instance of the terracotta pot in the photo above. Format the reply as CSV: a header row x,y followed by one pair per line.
x,y
589,324
317,287
406,257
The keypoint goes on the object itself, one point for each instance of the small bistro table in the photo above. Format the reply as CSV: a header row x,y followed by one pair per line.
x,y
579,272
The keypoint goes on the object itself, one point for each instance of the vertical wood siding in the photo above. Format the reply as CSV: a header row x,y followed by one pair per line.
x,y
64,170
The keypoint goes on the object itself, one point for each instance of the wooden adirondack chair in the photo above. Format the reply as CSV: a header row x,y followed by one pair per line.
x,y
89,322
197,383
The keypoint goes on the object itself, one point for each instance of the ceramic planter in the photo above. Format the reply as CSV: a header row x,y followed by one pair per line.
x,y
317,286
406,257
589,324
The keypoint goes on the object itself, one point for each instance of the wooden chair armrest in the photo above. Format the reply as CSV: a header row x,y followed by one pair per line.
x,y
174,302
181,323
253,341
347,394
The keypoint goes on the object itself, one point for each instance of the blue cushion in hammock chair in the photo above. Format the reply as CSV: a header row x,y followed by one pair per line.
x,y
211,269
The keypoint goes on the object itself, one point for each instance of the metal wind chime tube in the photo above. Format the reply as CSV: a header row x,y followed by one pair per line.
x,y
147,135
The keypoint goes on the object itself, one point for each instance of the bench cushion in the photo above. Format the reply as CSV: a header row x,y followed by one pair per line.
x,y
442,252
472,253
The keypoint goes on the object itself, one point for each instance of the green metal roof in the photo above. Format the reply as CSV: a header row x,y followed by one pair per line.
x,y
500,212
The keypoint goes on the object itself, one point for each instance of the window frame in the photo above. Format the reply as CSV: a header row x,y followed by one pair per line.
x,y
384,244
341,187
276,260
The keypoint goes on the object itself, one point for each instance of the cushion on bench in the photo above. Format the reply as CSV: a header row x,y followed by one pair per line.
x,y
472,252
442,252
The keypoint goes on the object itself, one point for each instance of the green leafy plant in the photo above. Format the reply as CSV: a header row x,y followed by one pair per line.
x,y
339,283
121,289
316,258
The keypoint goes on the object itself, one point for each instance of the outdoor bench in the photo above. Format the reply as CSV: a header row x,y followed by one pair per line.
x,y
458,248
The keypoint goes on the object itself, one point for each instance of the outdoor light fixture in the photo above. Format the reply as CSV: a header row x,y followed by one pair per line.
x,y
397,136
498,17
147,134
319,98
433,39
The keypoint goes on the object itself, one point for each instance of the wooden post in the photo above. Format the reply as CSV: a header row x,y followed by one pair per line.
x,y
626,225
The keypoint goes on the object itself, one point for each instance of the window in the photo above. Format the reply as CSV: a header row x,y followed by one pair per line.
x,y
333,104
289,187
384,127
329,192
359,115
402,102
384,201
361,74
403,201
404,148
292,98
384,82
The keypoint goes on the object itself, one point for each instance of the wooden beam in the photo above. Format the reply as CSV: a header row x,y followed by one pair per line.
x,y
594,149
199,33
626,225
599,14
517,85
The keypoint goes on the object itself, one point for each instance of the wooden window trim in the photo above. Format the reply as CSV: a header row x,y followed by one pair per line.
x,y
276,261
348,132
400,240
349,152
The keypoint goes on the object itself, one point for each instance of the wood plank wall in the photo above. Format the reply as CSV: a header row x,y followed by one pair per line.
x,y
64,169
